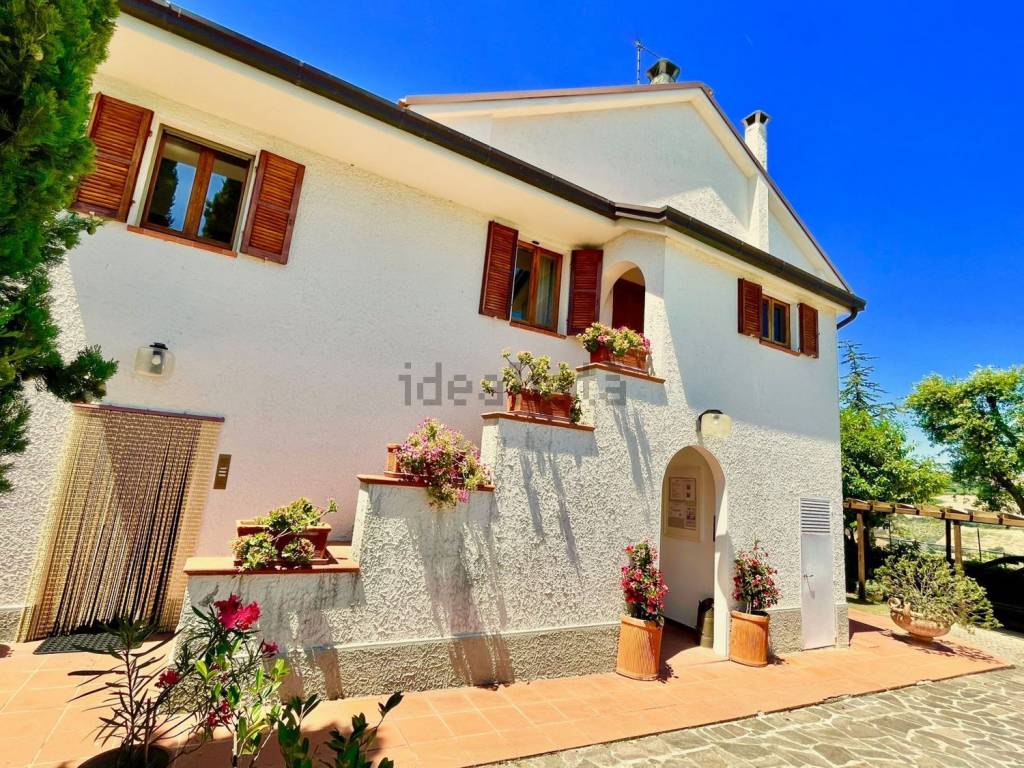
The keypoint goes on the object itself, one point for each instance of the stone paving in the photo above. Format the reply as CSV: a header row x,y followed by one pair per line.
x,y
970,721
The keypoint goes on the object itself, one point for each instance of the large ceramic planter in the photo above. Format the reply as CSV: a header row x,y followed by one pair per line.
x,y
634,360
553,407
639,648
918,627
748,639
316,534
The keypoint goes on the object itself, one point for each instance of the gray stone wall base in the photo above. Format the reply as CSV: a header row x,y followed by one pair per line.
x,y
444,663
842,625
785,630
10,622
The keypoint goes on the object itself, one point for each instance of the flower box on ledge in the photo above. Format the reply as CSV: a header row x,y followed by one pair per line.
x,y
557,407
317,535
634,360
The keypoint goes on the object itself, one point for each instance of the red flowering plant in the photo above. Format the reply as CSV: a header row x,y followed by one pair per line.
x,y
754,580
235,676
448,462
642,583
618,341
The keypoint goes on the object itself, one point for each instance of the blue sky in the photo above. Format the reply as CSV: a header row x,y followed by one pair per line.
x,y
896,127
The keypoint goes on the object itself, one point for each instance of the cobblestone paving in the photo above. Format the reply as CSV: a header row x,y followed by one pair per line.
x,y
967,722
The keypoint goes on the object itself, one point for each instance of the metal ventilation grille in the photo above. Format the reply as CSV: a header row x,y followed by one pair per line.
x,y
815,516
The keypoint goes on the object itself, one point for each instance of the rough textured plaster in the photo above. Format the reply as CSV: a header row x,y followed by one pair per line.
x,y
785,630
842,625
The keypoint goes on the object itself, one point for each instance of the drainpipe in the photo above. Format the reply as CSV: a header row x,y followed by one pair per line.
x,y
848,319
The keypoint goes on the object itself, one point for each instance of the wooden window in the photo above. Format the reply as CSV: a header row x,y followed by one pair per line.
x,y
775,321
584,289
808,330
119,131
536,280
196,191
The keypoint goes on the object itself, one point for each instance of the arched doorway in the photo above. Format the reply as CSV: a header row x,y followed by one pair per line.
x,y
628,300
691,501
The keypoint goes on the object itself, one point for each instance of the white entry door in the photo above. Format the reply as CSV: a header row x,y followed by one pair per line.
x,y
819,617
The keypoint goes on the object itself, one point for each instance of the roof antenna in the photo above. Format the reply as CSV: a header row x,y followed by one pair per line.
x,y
641,47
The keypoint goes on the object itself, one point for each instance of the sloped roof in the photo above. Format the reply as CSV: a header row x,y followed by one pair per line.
x,y
233,45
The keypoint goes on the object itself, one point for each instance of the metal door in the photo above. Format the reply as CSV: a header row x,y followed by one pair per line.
x,y
816,600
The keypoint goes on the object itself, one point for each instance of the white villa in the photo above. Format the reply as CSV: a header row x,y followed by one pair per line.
x,y
294,272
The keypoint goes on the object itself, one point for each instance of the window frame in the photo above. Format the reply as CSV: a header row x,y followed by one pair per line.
x,y
201,183
767,335
538,253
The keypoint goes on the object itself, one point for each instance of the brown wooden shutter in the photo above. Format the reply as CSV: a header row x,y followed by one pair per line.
x,y
499,265
808,330
584,289
119,131
750,308
275,199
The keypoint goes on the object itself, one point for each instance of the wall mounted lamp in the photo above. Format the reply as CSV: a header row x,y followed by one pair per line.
x,y
155,360
714,423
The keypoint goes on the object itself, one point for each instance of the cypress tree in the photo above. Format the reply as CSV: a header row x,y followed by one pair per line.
x,y
49,50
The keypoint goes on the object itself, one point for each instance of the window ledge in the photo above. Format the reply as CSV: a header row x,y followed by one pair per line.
x,y
780,347
536,329
182,241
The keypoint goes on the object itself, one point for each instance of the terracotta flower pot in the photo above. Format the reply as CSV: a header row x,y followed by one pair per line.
x,y
158,757
919,628
748,639
315,534
635,359
639,648
555,407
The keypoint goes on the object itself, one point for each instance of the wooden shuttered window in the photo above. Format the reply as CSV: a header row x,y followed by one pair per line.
x,y
499,265
119,130
749,306
808,330
584,289
271,216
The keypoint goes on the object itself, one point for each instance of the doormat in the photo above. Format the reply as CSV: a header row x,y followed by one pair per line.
x,y
94,641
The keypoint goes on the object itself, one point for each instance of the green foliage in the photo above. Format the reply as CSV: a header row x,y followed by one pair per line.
x,y
135,700
526,372
350,751
298,552
980,423
295,517
295,748
877,458
932,589
254,551
49,50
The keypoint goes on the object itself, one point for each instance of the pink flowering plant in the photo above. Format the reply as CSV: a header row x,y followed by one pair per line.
x,y
642,583
754,580
618,341
446,460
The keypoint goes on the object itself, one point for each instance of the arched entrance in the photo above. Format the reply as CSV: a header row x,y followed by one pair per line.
x,y
691,503
628,300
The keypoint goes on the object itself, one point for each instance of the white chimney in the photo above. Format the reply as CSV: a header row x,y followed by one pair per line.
x,y
756,135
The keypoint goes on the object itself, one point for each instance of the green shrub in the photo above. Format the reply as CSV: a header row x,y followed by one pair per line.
x,y
295,517
298,552
933,589
255,551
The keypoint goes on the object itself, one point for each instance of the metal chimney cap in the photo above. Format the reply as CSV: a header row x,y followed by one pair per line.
x,y
662,71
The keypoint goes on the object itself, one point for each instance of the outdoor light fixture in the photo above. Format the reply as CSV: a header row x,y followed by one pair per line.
x,y
714,423
155,360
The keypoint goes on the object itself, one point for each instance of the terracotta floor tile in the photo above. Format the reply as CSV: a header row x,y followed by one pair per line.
x,y
449,700
55,678
11,679
485,698
413,705
402,757
30,724
538,712
29,699
65,745
17,752
506,718
576,709
443,754
417,730
467,723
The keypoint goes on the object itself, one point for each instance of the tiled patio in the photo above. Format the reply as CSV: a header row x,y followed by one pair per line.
x,y
468,726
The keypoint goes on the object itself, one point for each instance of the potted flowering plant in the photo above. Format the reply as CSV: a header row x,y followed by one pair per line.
x,y
644,589
534,389
754,589
294,535
927,596
623,347
445,460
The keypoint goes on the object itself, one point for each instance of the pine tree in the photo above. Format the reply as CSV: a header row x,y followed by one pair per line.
x,y
49,50
859,390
